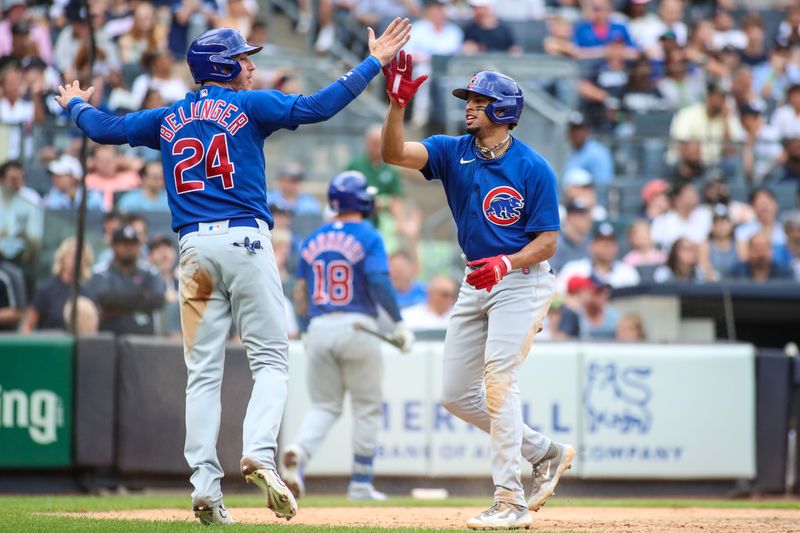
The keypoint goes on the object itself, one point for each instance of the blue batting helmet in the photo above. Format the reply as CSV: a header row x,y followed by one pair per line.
x,y
507,96
210,56
348,191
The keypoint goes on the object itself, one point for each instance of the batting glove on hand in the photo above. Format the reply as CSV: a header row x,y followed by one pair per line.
x,y
489,271
400,85
404,337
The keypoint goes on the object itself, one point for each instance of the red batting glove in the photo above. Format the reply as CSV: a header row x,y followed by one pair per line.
x,y
400,86
490,270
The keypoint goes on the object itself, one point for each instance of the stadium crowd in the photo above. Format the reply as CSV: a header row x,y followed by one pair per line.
x,y
719,202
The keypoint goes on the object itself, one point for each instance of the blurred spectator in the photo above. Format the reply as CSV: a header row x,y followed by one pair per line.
x,y
602,262
403,271
379,13
682,85
559,38
15,13
689,167
717,193
108,177
591,318
573,238
765,206
87,315
593,34
23,50
141,227
66,172
725,31
642,250
714,124
578,187
287,194
145,35
42,82
755,52
670,13
159,76
112,221
655,198
18,110
588,154
602,91
786,119
743,91
699,48
759,265
12,295
239,14
45,311
12,176
683,264
282,245
75,36
150,196
789,170
791,226
789,29
431,36
434,313
21,221
163,255
486,33
761,149
718,253
645,27
641,95
770,79
630,328
128,292
190,18
552,321
684,219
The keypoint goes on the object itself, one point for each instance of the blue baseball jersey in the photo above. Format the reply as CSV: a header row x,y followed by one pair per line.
x,y
498,204
212,150
335,261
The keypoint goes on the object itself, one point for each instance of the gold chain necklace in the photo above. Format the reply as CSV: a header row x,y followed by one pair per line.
x,y
490,152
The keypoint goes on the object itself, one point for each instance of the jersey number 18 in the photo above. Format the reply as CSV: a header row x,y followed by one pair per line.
x,y
334,284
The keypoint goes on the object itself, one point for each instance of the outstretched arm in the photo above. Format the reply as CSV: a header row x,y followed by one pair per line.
x,y
394,149
100,127
326,103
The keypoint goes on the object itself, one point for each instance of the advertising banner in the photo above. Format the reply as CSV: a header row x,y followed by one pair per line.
x,y
36,394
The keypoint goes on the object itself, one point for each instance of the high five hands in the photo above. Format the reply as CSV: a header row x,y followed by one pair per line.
x,y
400,82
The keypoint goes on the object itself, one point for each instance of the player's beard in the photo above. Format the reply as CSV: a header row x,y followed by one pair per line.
x,y
473,130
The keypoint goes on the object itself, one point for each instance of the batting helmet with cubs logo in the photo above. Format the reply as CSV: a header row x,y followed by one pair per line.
x,y
211,55
349,191
507,105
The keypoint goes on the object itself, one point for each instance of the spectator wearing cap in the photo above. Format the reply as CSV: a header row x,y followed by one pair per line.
x,y
577,186
150,196
593,34
602,262
287,195
655,198
590,317
574,235
759,265
588,153
762,149
15,12
765,206
108,176
786,119
684,219
486,33
127,291
713,123
718,253
683,264
642,249
65,173
791,226
45,311
434,313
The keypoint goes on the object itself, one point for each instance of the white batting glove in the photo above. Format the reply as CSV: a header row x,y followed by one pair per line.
x,y
404,337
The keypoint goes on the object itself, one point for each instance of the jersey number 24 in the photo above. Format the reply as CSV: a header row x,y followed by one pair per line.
x,y
217,162
333,284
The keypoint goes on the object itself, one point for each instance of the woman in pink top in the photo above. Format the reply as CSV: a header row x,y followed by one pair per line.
x,y
107,176
643,251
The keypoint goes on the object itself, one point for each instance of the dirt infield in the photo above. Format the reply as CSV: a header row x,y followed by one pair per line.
x,y
596,519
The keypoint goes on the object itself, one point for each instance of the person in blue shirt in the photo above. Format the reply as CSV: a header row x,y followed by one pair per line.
x,y
151,194
403,268
66,172
503,196
588,154
288,196
342,278
212,151
593,34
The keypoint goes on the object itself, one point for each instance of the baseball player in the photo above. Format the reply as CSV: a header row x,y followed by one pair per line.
x,y
212,151
503,197
342,276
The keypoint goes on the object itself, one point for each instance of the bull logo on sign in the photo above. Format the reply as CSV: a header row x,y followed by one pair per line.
x,y
617,398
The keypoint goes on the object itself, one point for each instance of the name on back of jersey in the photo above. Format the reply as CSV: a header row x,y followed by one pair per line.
x,y
333,241
213,110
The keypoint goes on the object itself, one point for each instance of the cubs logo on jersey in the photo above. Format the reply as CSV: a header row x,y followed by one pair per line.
x,y
503,206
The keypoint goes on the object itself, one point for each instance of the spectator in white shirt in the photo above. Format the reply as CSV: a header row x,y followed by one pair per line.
x,y
684,219
786,119
762,149
434,313
725,32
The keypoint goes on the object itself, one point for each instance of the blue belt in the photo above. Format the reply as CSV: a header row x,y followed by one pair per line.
x,y
233,223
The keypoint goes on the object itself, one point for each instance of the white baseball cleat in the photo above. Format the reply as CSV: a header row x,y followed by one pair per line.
x,y
294,461
364,491
210,516
279,498
502,515
547,472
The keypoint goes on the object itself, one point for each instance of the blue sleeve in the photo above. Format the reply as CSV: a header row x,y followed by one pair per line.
x,y
380,286
324,104
144,127
604,169
271,110
578,35
376,261
542,202
437,147
100,127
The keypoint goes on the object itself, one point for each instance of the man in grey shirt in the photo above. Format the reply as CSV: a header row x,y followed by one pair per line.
x,y
573,239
